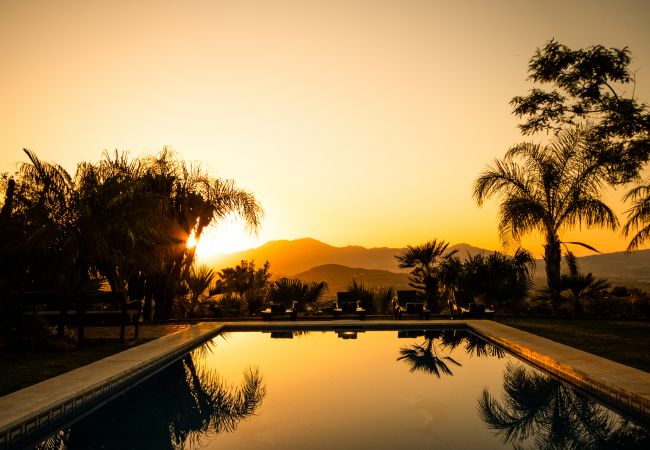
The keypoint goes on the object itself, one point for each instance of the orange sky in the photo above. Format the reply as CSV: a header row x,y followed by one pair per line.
x,y
354,122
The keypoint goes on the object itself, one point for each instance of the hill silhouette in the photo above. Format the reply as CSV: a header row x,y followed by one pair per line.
x,y
290,257
313,260
619,268
339,277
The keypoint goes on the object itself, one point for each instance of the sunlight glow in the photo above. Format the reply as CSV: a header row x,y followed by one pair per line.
x,y
191,241
229,236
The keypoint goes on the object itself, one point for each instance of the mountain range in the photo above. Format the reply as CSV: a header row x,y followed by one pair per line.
x,y
312,260
289,258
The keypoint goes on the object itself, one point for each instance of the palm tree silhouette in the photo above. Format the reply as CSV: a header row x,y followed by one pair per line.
x,y
424,260
638,216
548,188
198,282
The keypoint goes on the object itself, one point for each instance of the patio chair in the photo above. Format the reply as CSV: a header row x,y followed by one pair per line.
x,y
463,306
408,304
280,309
347,304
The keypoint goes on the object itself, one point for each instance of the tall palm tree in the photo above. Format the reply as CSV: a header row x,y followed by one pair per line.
x,y
190,201
424,260
638,216
548,188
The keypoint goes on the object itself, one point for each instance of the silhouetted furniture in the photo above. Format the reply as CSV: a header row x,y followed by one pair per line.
x,y
402,334
91,308
282,334
463,306
279,309
348,334
408,304
100,308
347,304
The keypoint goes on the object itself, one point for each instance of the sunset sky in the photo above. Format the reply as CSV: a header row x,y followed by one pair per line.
x,y
353,122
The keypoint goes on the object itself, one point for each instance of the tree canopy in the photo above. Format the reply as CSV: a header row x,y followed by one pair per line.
x,y
126,220
594,85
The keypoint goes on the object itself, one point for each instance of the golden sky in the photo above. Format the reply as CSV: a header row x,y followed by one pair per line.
x,y
353,122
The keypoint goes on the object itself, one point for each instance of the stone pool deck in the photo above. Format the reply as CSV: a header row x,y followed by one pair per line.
x,y
50,403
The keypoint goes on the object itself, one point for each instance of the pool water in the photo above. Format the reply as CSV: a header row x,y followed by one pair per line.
x,y
443,389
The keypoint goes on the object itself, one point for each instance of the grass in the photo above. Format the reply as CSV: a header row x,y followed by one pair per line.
x,y
623,341
22,369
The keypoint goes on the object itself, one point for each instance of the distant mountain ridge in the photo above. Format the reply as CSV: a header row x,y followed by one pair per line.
x,y
619,268
312,260
339,277
290,257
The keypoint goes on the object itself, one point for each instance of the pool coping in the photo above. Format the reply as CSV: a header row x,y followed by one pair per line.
x,y
54,401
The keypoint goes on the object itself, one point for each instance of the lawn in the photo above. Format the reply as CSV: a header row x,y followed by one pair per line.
x,y
623,341
22,369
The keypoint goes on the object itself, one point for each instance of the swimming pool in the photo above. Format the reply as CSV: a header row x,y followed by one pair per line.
x,y
437,388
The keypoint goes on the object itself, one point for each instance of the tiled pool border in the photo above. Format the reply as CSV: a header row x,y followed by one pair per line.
x,y
54,401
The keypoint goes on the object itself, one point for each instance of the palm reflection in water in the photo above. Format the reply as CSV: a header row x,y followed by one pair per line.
x,y
538,412
176,409
433,355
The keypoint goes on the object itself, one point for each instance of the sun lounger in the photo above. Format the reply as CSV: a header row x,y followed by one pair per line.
x,y
408,304
279,309
347,304
463,306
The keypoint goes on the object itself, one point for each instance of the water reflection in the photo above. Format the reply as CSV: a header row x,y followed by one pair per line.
x,y
430,356
175,409
537,411
351,333
433,355
283,334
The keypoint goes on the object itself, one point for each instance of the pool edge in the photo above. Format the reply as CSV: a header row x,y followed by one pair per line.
x,y
26,412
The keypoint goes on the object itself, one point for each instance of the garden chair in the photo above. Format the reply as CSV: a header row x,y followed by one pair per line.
x,y
409,304
347,304
280,309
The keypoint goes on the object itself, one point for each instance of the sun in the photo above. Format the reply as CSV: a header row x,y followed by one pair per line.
x,y
229,236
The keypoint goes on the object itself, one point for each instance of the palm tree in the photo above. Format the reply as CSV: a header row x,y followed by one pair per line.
x,y
424,260
547,188
288,290
382,299
190,201
581,287
248,282
198,281
638,216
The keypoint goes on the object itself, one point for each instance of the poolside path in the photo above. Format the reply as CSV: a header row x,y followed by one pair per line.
x,y
147,331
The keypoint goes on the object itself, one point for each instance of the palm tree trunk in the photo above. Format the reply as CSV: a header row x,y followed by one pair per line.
x,y
553,259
